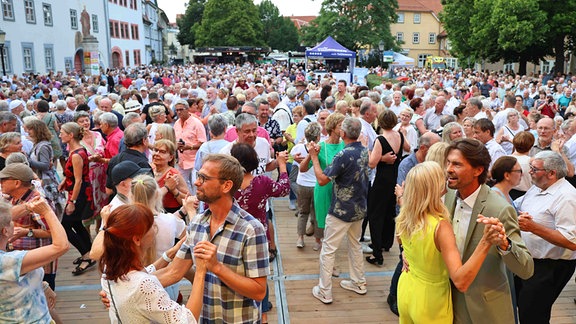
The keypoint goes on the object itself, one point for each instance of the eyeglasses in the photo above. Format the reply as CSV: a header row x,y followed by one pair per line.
x,y
180,109
202,178
519,171
534,169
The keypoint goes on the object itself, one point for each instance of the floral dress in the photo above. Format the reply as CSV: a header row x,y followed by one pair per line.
x,y
253,198
97,173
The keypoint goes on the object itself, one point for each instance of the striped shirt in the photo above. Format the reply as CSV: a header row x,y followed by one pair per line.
x,y
243,248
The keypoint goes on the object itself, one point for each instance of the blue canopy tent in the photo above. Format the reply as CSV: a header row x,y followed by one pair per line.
x,y
334,58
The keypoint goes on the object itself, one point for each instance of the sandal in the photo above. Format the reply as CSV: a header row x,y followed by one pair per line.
x,y
273,253
77,261
79,270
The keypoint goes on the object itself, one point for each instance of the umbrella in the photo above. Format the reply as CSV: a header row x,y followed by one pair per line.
x,y
402,78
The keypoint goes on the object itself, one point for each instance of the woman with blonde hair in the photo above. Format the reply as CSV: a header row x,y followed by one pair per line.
x,y
437,153
468,126
167,176
452,131
80,201
423,228
166,132
10,142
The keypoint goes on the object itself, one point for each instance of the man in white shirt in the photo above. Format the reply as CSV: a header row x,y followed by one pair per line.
x,y
397,106
549,230
280,111
474,108
484,132
451,102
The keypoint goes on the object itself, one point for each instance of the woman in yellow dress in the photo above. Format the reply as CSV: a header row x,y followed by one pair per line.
x,y
430,251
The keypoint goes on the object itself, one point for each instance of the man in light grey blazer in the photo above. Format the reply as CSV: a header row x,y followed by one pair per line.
x,y
489,297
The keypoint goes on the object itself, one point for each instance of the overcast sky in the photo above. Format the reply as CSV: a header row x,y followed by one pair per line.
x,y
286,7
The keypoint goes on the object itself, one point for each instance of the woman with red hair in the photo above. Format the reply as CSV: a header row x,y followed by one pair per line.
x,y
137,296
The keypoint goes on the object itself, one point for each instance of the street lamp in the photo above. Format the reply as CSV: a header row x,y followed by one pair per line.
x,y
2,42
381,48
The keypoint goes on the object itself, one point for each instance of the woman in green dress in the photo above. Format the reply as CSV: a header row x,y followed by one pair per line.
x,y
328,149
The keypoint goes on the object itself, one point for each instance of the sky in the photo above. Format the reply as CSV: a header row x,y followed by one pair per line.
x,y
286,7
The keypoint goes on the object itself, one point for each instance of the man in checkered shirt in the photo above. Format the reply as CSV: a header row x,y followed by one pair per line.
x,y
232,242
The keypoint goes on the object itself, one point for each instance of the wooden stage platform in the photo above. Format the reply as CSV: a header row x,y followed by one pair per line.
x,y
294,274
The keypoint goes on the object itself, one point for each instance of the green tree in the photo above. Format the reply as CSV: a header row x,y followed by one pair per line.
x,y
511,30
354,23
229,23
192,16
278,32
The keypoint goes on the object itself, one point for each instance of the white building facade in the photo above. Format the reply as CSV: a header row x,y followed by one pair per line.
x,y
46,35
50,35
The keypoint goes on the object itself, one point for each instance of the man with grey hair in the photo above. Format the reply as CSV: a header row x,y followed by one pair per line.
x,y
8,122
280,112
190,134
350,174
4,105
548,227
330,103
109,127
474,108
91,94
397,106
106,106
136,141
368,114
432,116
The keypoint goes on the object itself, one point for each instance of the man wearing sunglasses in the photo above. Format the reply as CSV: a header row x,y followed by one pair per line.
x,y
548,227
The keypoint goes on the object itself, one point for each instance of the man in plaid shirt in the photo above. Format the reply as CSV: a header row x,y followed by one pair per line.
x,y
30,230
233,243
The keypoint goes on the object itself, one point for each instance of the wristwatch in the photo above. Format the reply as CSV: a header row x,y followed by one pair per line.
x,y
30,233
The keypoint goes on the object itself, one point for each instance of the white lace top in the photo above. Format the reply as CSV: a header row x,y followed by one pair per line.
x,y
140,298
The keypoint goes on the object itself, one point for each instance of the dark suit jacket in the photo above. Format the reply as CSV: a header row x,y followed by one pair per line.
x,y
488,299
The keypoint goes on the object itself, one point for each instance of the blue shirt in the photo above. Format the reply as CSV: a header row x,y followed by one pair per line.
x,y
405,166
349,173
22,298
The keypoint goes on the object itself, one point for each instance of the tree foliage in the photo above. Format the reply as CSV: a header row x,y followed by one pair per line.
x,y
229,23
192,16
354,23
278,32
510,30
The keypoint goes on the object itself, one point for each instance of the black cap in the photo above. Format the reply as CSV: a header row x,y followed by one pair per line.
x,y
125,170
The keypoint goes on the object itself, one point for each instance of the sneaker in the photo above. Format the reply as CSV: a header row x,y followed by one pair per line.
x,y
309,229
292,205
366,249
300,242
349,285
316,293
367,239
317,246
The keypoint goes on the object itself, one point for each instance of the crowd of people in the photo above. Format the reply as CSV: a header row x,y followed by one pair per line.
x,y
174,169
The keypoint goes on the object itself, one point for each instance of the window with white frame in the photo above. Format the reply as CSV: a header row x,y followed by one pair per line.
x,y
28,56
415,38
417,18
400,19
73,19
68,64
6,56
49,57
432,38
422,59
400,37
7,10
30,12
47,12
95,24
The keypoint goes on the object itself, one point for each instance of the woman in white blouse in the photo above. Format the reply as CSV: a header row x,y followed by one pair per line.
x,y
135,295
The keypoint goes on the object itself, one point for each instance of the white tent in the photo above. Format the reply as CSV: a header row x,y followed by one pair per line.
x,y
402,60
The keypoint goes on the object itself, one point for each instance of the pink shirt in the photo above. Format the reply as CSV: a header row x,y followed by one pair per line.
x,y
192,133
113,143
232,134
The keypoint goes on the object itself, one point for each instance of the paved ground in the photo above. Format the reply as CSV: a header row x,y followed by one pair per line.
x,y
294,274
